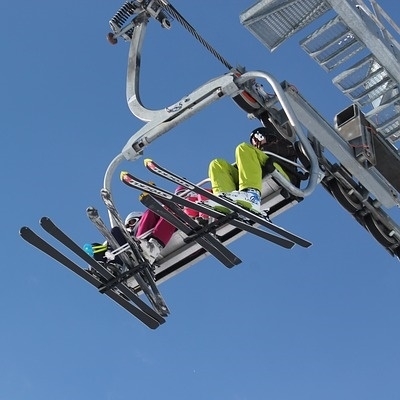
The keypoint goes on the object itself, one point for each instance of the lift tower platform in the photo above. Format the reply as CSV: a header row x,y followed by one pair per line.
x,y
359,46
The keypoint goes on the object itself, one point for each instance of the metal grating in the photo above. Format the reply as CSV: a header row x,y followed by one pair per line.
x,y
353,33
386,116
274,21
332,44
365,82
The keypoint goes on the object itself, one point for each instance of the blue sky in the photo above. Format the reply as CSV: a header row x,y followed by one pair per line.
x,y
321,323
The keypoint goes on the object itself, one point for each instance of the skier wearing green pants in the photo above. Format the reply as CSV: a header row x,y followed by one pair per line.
x,y
242,182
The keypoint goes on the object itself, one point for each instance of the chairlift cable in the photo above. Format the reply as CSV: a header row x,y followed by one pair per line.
x,y
175,13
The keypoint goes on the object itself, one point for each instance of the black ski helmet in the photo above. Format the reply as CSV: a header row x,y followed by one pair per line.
x,y
258,135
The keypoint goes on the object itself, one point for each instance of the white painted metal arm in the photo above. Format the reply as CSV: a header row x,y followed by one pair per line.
x,y
167,118
133,74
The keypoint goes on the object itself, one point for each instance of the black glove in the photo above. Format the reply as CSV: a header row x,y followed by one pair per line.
x,y
269,166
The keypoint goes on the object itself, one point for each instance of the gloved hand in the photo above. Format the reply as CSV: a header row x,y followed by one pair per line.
x,y
269,166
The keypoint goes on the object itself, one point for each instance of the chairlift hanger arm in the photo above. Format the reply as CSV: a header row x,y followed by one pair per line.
x,y
138,28
162,120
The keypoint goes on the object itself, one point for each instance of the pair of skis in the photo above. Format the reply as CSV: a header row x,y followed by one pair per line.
x,y
117,291
203,235
238,216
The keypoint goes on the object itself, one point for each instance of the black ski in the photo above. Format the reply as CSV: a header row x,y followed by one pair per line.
x,y
233,218
175,216
151,319
264,221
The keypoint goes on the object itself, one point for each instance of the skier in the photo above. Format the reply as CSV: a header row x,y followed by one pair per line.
x,y
242,181
152,231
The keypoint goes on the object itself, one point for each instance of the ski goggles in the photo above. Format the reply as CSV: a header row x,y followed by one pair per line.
x,y
132,222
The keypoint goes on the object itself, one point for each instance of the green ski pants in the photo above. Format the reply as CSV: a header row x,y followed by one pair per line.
x,y
247,173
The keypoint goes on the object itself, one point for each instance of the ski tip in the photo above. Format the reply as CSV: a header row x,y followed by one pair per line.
x,y
123,174
91,211
147,161
106,194
23,230
43,220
